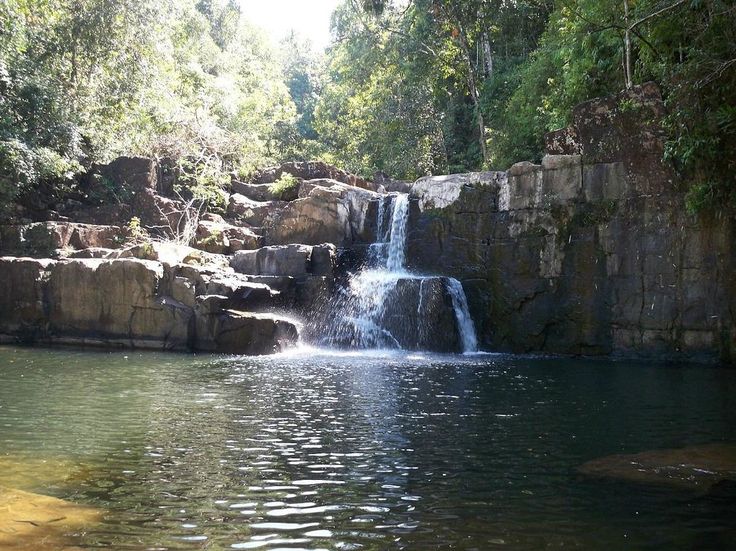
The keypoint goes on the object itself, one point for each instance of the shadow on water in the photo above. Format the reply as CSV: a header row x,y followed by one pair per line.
x,y
353,450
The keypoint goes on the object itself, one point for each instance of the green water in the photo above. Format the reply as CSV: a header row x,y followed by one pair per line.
x,y
319,451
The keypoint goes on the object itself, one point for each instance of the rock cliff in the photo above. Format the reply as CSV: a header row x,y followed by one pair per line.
x,y
591,252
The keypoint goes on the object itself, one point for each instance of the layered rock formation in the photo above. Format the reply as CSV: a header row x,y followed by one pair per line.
x,y
136,303
591,252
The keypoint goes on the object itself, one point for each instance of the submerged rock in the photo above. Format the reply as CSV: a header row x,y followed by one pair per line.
x,y
34,522
693,467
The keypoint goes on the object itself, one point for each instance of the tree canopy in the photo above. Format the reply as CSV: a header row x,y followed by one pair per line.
x,y
407,87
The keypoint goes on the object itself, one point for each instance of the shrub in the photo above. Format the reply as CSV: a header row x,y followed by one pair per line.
x,y
285,184
23,169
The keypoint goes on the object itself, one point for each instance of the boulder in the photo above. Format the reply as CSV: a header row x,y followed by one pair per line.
x,y
307,186
286,260
437,192
338,214
234,332
160,215
262,192
253,213
224,238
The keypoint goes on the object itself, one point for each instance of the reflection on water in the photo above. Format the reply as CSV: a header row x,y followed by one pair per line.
x,y
353,451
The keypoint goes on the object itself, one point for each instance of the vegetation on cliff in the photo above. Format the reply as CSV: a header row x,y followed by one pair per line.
x,y
408,87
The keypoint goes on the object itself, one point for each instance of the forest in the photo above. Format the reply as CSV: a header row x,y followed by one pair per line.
x,y
406,87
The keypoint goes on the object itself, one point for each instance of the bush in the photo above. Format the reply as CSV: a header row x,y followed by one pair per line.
x,y
23,169
285,184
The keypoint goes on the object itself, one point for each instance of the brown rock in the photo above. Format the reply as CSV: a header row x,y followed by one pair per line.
x,y
336,214
34,522
693,467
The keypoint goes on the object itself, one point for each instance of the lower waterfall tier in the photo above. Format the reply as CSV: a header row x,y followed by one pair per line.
x,y
382,309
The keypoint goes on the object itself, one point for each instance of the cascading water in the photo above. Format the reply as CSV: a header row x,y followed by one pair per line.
x,y
367,312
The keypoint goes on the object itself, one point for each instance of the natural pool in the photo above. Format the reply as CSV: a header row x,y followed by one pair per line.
x,y
353,451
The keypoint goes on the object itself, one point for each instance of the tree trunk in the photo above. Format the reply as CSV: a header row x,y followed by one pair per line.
x,y
474,92
627,47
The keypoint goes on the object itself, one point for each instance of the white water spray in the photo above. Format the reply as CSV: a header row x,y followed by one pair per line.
x,y
366,301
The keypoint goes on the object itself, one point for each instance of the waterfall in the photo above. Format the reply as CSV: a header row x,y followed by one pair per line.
x,y
367,311
465,324
396,258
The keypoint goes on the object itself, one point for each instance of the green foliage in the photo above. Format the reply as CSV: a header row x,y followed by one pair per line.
x,y
285,184
22,169
187,80
136,232
693,54
407,88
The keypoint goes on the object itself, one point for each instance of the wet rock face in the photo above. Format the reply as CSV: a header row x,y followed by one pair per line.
x,y
419,315
138,303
